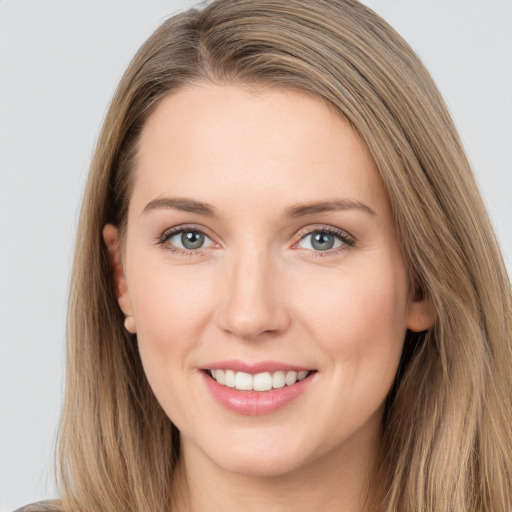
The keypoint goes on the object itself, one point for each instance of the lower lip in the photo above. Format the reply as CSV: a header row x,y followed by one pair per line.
x,y
255,403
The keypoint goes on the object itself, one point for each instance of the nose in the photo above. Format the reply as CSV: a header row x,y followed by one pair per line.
x,y
254,303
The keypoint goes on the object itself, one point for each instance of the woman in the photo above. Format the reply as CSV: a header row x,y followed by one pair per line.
x,y
286,289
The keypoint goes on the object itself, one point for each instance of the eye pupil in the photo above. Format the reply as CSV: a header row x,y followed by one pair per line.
x,y
322,241
192,239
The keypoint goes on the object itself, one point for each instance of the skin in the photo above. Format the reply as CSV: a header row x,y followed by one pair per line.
x,y
258,291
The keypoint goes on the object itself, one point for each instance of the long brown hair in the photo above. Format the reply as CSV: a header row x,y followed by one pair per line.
x,y
446,435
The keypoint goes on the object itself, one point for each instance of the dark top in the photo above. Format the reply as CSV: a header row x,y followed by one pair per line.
x,y
41,506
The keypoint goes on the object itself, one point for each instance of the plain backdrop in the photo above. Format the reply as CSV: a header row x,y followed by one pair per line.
x,y
59,64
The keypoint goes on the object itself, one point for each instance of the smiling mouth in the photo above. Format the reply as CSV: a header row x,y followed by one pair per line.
x,y
264,381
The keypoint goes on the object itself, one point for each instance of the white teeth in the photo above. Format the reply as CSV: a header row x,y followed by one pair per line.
x,y
291,378
229,378
278,380
220,377
260,382
243,381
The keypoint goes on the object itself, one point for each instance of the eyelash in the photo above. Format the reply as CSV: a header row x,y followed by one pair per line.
x,y
348,241
167,235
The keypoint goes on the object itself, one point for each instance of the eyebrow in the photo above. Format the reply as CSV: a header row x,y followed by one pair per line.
x,y
183,204
301,210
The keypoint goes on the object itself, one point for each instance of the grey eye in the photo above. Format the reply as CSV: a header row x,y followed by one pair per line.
x,y
320,241
190,240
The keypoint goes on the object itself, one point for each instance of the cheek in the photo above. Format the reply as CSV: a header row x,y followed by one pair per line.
x,y
359,316
171,308
167,300
358,323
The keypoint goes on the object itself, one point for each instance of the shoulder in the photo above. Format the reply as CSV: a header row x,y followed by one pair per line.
x,y
42,506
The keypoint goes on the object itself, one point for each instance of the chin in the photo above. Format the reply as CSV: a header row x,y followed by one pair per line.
x,y
260,459
261,467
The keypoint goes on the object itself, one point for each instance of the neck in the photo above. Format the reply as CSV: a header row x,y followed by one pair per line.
x,y
337,481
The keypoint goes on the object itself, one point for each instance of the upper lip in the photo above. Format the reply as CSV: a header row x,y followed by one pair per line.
x,y
254,367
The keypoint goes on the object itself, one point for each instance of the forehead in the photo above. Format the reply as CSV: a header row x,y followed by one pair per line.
x,y
213,142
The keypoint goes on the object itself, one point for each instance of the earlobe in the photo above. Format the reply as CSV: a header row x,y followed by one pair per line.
x,y
111,239
420,315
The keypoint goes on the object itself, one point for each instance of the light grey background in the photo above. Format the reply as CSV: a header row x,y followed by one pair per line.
x,y
59,64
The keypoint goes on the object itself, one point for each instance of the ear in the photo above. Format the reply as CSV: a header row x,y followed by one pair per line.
x,y
420,314
111,239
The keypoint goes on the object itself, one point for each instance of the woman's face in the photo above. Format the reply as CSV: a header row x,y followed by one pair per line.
x,y
260,248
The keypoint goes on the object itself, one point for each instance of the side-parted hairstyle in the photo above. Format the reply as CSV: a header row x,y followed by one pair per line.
x,y
446,434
